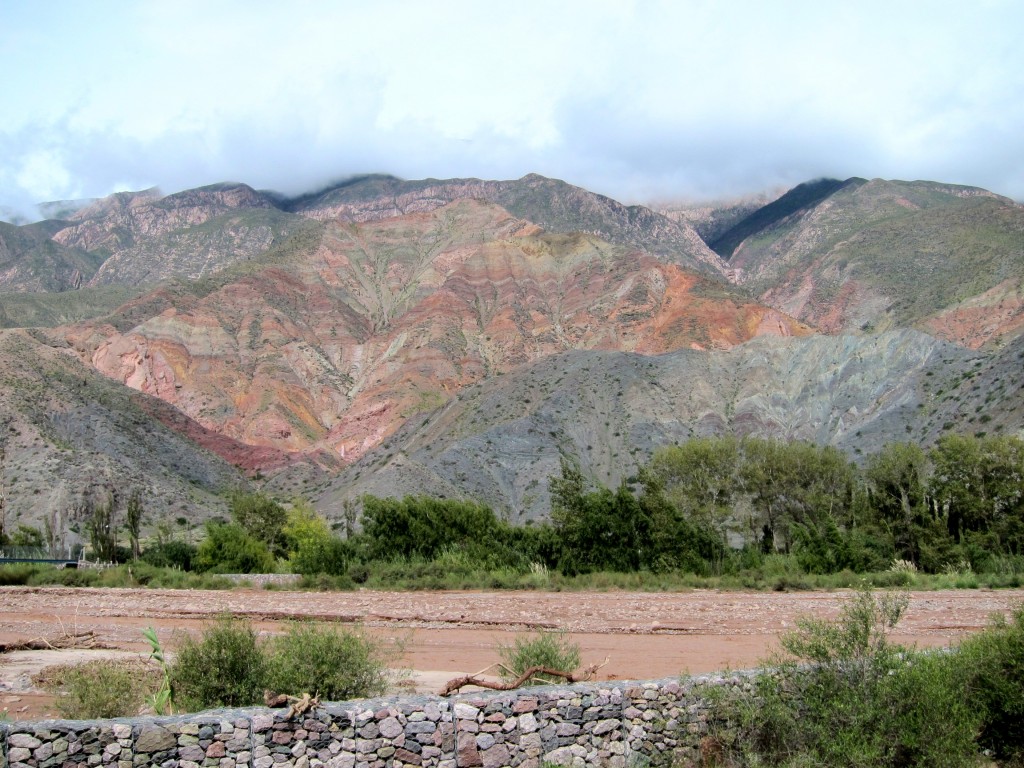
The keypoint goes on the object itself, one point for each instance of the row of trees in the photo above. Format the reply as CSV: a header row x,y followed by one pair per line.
x,y
962,499
707,506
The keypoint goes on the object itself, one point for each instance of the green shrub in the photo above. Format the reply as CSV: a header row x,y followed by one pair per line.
x,y
17,574
553,650
101,689
229,549
171,554
327,556
846,696
226,667
335,663
992,663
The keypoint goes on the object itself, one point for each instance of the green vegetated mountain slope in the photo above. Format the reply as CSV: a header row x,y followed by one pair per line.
x,y
32,262
876,255
499,440
552,204
67,432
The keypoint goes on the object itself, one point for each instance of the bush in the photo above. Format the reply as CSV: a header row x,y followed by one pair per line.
x,y
101,689
171,554
229,549
226,667
336,664
553,650
992,663
845,696
329,556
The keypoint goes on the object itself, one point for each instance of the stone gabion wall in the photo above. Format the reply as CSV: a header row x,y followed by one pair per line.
x,y
594,724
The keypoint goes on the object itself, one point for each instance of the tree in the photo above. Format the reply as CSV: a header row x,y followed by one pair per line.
x,y
262,518
421,526
796,483
228,548
700,478
27,536
897,479
133,521
312,548
978,484
101,526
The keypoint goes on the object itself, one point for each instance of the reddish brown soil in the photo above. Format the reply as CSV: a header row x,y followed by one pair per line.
x,y
451,633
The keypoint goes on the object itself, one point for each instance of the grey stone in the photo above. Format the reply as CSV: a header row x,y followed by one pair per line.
x,y
45,751
19,754
390,727
24,741
154,739
484,741
528,723
192,752
122,731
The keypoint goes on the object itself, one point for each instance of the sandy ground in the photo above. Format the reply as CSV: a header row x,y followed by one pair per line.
x,y
447,634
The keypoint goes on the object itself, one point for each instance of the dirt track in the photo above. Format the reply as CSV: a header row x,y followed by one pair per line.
x,y
449,633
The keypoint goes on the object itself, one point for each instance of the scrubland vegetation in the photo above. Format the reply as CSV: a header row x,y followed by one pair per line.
x,y
719,512
841,694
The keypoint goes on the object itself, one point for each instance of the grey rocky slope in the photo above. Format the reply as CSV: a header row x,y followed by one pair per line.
x,y
67,432
498,441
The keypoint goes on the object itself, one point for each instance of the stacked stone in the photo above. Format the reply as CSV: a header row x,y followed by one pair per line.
x,y
572,725
91,745
413,731
598,724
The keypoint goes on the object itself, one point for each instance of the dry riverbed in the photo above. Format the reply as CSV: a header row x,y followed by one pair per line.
x,y
447,634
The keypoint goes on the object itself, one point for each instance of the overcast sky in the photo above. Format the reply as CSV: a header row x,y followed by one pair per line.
x,y
637,100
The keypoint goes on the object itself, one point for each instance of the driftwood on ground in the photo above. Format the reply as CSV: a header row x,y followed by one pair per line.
x,y
453,686
297,705
60,642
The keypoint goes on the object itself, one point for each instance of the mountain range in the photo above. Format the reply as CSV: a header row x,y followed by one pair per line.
x,y
458,337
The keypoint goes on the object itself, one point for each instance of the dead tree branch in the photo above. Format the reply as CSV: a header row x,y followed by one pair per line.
x,y
453,686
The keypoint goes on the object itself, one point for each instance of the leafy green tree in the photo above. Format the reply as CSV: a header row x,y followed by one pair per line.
x,y
27,536
102,526
312,548
261,517
701,478
796,483
897,478
229,548
133,522
978,484
420,526
170,554
624,531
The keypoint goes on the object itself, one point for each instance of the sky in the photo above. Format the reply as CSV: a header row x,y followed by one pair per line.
x,y
642,101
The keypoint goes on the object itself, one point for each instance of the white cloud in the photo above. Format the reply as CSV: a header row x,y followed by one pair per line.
x,y
629,98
